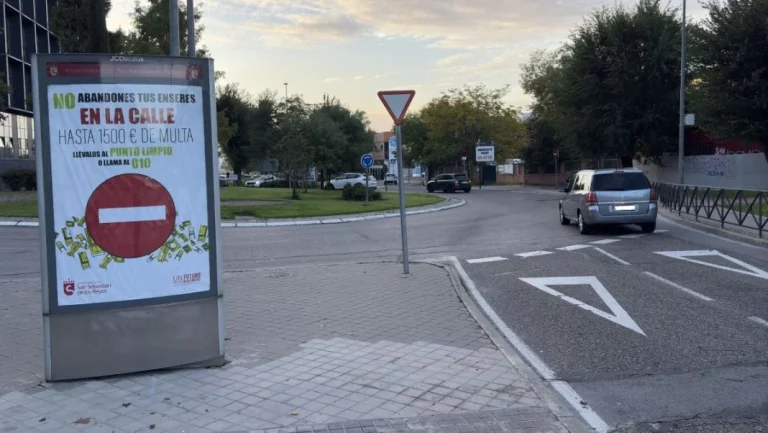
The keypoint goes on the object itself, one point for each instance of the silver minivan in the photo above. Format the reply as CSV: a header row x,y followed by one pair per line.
x,y
608,196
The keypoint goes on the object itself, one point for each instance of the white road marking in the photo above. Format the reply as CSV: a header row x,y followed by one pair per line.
x,y
573,247
534,254
759,320
611,256
619,316
486,260
631,236
678,286
131,214
565,390
661,231
686,255
605,241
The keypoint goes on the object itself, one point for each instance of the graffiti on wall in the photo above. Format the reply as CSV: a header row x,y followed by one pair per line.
x,y
721,164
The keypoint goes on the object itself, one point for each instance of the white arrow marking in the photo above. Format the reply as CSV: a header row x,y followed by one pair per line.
x,y
619,316
573,247
686,255
533,254
131,214
759,320
486,260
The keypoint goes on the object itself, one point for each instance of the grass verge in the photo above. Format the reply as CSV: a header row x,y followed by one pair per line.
x,y
236,201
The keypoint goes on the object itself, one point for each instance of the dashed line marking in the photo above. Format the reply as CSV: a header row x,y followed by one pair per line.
x,y
623,262
486,260
605,241
661,231
533,254
573,247
684,289
759,320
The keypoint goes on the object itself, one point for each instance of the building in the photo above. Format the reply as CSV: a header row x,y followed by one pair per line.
x,y
26,32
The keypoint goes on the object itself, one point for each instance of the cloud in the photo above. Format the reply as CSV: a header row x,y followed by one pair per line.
x,y
359,77
454,24
329,80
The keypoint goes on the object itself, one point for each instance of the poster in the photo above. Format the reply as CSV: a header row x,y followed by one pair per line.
x,y
129,191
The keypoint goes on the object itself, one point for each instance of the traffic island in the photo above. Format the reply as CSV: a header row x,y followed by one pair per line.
x,y
267,207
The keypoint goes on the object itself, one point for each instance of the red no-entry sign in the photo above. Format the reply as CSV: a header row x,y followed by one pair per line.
x,y
130,215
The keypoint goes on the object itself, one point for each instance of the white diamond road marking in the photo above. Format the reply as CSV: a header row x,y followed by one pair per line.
x,y
619,316
486,260
759,320
573,247
686,255
131,214
678,286
605,241
534,254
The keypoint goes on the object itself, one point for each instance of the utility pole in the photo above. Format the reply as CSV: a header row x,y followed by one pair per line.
x,y
681,131
286,91
191,28
174,16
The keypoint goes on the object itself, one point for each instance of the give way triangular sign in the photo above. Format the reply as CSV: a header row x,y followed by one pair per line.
x,y
619,316
688,257
397,103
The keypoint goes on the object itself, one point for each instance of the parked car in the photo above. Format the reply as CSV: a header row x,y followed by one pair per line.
x,y
390,178
260,181
351,179
607,196
450,183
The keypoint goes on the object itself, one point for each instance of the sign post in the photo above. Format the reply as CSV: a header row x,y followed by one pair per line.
x,y
128,199
556,154
483,153
367,162
397,102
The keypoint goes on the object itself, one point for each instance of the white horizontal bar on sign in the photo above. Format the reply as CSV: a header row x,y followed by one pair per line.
x,y
486,260
131,214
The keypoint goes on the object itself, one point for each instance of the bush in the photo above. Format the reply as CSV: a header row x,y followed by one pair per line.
x,y
357,193
20,178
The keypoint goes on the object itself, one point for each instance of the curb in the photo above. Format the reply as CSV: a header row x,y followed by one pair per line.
x,y
299,222
567,407
713,227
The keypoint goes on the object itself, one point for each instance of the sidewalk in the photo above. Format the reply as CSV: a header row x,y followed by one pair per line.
x,y
353,348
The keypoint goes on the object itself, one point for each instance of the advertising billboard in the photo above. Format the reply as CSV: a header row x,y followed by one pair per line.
x,y
127,176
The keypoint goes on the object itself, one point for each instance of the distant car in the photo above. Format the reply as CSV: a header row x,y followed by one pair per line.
x,y
450,183
351,179
390,178
607,196
259,181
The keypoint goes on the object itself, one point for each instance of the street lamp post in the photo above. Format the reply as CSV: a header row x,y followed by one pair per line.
x,y
681,126
191,28
173,6
286,91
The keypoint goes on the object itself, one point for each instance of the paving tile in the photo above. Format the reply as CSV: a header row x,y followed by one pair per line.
x,y
311,346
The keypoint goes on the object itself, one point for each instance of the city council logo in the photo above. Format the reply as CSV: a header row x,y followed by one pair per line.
x,y
69,287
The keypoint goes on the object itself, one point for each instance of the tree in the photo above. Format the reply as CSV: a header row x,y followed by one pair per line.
x,y
415,138
730,59
459,118
293,148
354,126
151,32
81,26
237,107
612,90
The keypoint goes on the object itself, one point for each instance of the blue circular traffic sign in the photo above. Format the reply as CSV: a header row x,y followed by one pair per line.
x,y
366,160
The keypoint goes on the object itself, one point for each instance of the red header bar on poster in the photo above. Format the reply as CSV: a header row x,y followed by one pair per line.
x,y
122,70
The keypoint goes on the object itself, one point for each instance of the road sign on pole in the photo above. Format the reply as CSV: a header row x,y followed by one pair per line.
x,y
397,103
366,160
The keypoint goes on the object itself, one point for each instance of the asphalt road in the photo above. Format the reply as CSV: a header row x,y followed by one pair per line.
x,y
654,342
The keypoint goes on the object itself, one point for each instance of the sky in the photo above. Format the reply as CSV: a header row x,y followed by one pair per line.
x,y
353,48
